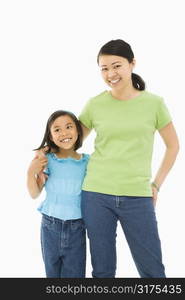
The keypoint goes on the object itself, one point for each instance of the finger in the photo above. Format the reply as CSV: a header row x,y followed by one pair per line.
x,y
41,179
40,153
43,161
43,157
43,166
40,173
45,176
46,148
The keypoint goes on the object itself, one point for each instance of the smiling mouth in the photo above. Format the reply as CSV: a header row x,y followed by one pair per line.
x,y
114,81
66,140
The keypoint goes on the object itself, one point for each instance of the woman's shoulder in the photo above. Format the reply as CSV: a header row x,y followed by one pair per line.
x,y
101,95
153,96
154,100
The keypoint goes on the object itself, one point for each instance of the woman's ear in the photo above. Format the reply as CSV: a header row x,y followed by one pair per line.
x,y
133,63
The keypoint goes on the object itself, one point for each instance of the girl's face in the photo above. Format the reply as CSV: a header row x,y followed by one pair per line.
x,y
116,71
64,132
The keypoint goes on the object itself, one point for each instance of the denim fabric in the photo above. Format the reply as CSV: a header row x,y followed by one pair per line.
x,y
63,247
101,213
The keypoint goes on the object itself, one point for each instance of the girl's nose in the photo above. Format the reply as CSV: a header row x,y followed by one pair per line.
x,y
63,133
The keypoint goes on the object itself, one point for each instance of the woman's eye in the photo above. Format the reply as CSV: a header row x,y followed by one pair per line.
x,y
117,66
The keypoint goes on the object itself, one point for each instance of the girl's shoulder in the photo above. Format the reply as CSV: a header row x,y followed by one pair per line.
x,y
49,155
85,156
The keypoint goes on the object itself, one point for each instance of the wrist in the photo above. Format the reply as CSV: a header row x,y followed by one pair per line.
x,y
155,185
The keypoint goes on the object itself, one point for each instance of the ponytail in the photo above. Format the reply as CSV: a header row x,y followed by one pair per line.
x,y
138,82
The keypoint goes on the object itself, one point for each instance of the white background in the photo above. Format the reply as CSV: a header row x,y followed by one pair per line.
x,y
48,62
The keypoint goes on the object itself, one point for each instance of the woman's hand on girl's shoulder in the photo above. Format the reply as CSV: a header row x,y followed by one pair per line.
x,y
41,152
37,165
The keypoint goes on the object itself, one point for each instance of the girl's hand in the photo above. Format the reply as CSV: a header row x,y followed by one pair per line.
x,y
154,195
37,165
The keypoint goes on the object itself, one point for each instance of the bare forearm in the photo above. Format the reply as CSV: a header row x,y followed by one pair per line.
x,y
166,165
32,185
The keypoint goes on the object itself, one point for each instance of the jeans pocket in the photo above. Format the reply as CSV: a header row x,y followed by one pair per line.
x,y
46,221
77,224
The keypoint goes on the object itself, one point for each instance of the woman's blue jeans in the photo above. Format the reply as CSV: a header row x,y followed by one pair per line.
x,y
101,212
63,247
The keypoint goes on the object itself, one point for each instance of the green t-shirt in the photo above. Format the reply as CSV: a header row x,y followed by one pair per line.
x,y
121,162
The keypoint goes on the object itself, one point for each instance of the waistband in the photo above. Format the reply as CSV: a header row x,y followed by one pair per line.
x,y
56,220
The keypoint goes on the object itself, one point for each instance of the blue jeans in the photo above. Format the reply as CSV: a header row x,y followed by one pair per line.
x,y
101,213
63,247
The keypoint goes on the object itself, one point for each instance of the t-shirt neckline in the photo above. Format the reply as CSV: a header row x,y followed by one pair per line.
x,y
125,101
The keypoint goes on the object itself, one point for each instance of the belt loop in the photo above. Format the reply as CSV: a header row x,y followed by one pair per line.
x,y
117,201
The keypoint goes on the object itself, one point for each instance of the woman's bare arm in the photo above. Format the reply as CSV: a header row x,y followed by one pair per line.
x,y
86,131
170,139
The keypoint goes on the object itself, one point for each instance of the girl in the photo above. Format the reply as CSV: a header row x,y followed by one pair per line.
x,y
118,186
62,229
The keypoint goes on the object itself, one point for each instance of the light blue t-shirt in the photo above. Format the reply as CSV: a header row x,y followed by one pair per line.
x,y
63,187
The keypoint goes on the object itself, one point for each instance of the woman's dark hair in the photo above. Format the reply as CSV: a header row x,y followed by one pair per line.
x,y
121,48
47,135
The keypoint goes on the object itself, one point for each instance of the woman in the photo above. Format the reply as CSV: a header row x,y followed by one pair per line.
x,y
117,186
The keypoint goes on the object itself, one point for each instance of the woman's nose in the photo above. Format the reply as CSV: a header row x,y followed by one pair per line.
x,y
111,73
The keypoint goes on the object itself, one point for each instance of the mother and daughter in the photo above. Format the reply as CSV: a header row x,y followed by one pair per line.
x,y
114,184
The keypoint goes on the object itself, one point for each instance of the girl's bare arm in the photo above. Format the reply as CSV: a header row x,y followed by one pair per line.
x,y
36,166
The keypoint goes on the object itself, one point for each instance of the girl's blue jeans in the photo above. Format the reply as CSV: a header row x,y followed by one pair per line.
x,y
63,247
101,212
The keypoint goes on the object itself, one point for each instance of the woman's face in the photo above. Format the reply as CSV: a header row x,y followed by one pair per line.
x,y
116,71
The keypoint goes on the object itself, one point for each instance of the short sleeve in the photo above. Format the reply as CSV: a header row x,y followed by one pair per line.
x,y
85,116
163,115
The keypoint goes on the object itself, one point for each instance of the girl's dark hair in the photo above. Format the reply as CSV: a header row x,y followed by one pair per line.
x,y
121,48
47,135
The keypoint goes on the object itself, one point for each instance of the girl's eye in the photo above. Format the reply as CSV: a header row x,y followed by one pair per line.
x,y
70,126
